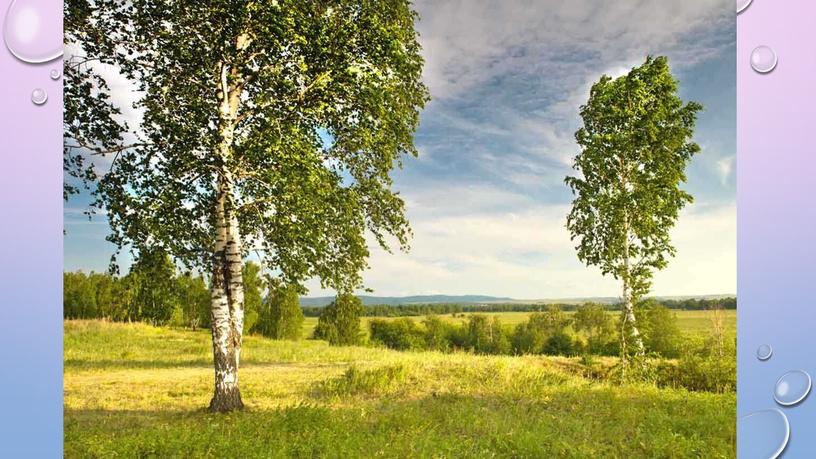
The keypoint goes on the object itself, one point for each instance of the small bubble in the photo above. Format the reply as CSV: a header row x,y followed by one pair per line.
x,y
742,4
764,352
792,387
763,434
56,74
763,59
31,32
39,96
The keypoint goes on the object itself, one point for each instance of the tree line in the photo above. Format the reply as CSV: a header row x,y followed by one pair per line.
x,y
406,310
154,292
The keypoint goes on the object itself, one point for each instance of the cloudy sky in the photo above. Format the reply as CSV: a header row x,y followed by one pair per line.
x,y
486,197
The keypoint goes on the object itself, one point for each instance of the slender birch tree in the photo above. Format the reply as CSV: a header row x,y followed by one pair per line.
x,y
268,125
635,145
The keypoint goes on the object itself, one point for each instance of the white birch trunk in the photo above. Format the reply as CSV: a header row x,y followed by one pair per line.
x,y
628,306
227,279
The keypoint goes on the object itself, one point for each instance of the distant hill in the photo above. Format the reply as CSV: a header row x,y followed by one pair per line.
x,y
615,299
416,299
476,299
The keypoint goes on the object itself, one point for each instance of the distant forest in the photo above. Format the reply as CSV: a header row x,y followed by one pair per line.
x,y
404,310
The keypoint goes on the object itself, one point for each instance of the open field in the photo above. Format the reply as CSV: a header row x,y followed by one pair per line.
x,y
132,390
688,321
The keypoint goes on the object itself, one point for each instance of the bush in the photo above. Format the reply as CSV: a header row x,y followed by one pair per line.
x,y
560,344
157,294
282,317
543,333
194,300
339,322
254,286
705,364
401,334
484,336
439,335
528,338
659,328
597,325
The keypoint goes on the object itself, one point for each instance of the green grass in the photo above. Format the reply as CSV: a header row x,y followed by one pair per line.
x,y
688,321
132,390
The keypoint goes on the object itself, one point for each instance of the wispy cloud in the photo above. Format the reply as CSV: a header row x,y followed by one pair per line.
x,y
508,245
725,168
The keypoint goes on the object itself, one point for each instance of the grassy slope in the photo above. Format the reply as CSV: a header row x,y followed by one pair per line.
x,y
139,391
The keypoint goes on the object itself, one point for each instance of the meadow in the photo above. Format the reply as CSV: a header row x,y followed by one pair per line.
x,y
133,390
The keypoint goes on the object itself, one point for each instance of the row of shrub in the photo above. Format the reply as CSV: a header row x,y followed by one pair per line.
x,y
696,362
590,330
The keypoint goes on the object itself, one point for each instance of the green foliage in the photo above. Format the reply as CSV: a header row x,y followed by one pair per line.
x,y
402,334
635,145
89,115
561,343
151,292
661,333
702,366
306,106
194,301
535,335
529,337
78,296
282,317
177,318
156,297
485,336
593,320
254,286
339,323
438,334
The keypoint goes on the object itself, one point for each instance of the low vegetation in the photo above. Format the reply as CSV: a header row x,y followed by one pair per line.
x,y
134,390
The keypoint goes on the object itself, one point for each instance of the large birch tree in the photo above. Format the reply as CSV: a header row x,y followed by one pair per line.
x,y
268,125
635,145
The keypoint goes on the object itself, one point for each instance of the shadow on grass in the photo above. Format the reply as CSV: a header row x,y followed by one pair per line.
x,y
145,364
603,422
207,364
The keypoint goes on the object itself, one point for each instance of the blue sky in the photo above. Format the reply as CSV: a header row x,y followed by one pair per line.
x,y
486,197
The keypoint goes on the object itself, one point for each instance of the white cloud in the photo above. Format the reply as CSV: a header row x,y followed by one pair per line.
x,y
725,168
525,252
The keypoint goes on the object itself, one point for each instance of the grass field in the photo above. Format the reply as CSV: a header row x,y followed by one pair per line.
x,y
132,390
688,321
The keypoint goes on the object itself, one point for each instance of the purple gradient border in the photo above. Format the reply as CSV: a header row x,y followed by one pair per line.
x,y
776,202
31,256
